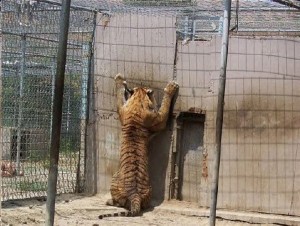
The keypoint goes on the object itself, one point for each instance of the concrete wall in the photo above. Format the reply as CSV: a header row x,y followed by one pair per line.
x,y
142,49
260,166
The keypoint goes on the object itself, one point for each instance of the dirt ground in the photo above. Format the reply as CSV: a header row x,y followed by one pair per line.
x,y
76,210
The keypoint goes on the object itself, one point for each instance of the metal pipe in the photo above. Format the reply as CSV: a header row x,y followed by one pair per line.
x,y
87,113
175,60
44,39
86,52
57,111
220,109
179,163
287,4
237,14
21,99
255,30
1,98
73,6
52,93
90,162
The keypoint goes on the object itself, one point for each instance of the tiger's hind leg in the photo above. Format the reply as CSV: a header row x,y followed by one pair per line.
x,y
145,197
118,195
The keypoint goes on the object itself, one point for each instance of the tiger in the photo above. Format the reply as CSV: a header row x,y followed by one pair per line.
x,y
140,118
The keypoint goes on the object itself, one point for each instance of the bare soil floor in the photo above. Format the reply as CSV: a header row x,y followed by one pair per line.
x,y
76,210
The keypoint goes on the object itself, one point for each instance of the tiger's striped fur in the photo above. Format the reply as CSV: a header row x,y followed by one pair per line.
x,y
139,116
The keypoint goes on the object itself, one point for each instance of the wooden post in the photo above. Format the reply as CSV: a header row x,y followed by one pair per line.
x,y
220,109
57,111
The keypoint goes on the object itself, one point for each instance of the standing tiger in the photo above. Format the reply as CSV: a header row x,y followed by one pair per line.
x,y
140,118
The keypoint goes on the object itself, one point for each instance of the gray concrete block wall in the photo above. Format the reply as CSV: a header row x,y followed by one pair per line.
x,y
261,129
142,49
260,164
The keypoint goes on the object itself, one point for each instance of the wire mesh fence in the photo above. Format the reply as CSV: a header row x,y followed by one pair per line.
x,y
153,44
29,47
256,15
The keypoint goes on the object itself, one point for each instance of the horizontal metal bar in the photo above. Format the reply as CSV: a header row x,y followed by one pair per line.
x,y
215,32
287,3
265,33
265,30
51,33
5,65
244,9
38,38
57,9
277,9
34,55
89,9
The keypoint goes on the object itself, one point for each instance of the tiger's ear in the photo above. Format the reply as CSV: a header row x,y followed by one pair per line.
x,y
149,91
130,91
127,92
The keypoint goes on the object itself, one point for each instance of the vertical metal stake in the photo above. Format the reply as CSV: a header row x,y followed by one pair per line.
x,y
220,109
1,112
90,163
86,50
57,111
52,93
21,95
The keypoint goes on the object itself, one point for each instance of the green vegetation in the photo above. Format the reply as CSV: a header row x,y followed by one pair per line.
x,y
32,185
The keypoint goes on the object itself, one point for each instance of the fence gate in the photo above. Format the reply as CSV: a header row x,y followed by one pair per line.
x,y
29,46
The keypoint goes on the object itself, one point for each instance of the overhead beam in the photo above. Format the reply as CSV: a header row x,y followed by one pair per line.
x,y
287,3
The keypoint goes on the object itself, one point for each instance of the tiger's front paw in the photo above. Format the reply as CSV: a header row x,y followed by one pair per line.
x,y
119,79
171,88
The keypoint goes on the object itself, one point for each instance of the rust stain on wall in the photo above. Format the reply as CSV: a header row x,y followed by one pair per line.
x,y
258,118
204,166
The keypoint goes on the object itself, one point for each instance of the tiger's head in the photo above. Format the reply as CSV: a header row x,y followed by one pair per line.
x,y
138,105
141,98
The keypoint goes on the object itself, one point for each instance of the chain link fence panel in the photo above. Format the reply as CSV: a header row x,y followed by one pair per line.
x,y
152,43
29,47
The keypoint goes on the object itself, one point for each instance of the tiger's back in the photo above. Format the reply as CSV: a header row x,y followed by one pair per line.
x,y
139,117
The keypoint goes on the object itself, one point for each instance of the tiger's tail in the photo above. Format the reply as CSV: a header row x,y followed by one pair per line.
x,y
135,205
135,209
125,213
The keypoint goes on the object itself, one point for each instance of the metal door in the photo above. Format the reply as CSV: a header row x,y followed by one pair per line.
x,y
190,133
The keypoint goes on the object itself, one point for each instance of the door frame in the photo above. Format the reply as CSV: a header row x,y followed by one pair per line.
x,y
176,174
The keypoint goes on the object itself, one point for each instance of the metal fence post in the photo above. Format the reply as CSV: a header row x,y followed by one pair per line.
x,y
86,49
1,112
52,93
90,163
57,111
21,95
220,109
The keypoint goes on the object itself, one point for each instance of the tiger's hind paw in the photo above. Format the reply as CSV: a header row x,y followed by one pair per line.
x,y
111,202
